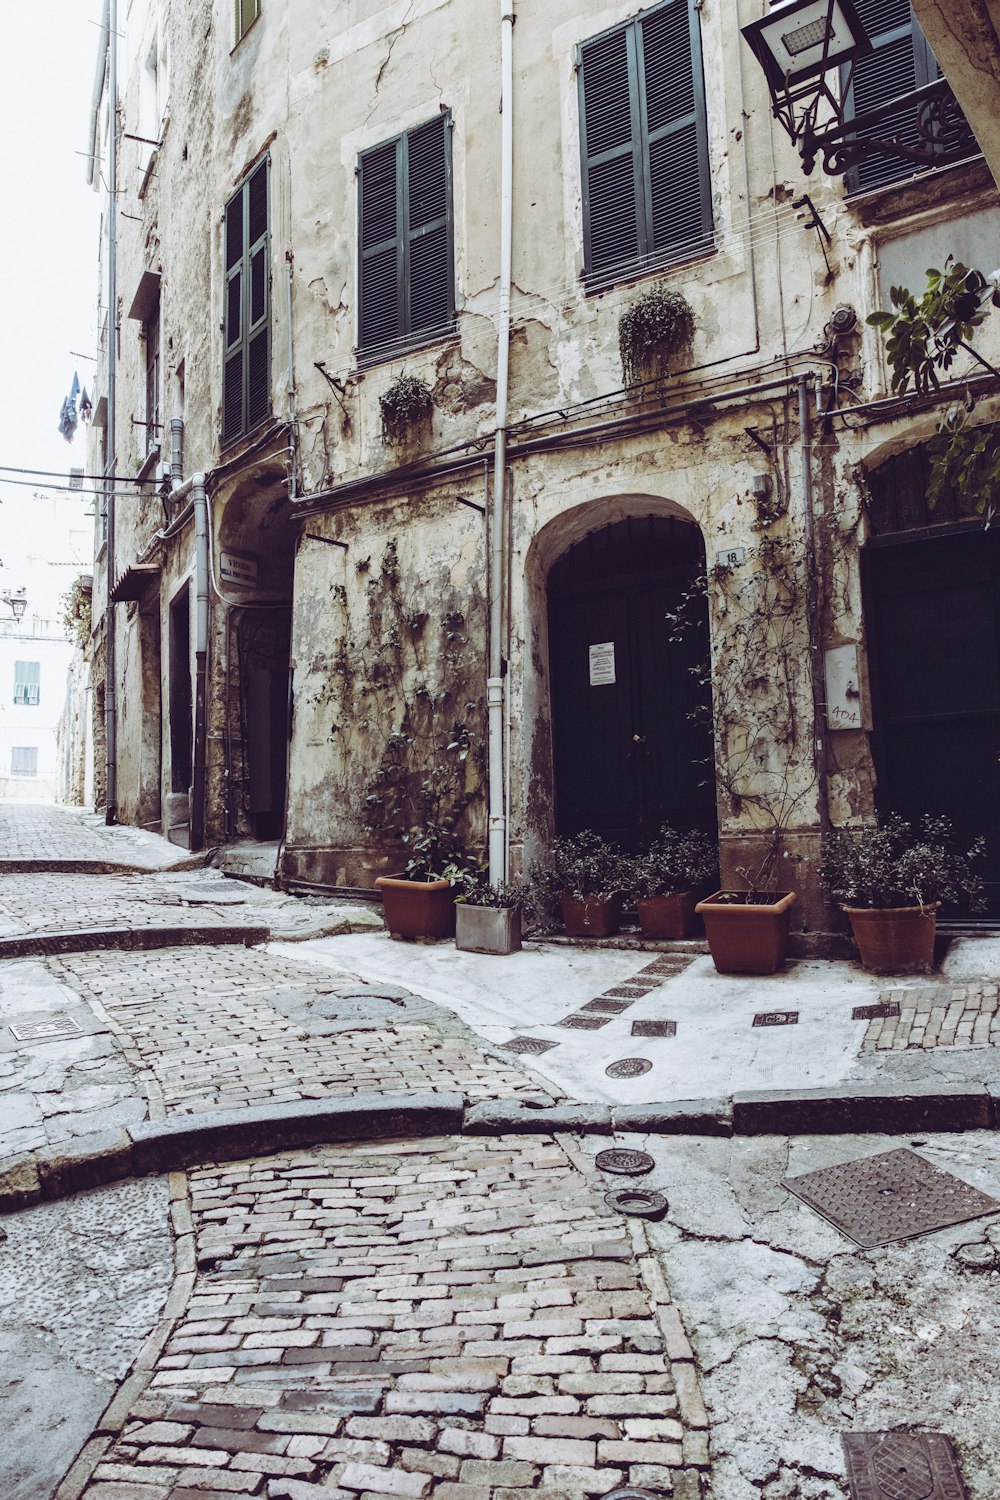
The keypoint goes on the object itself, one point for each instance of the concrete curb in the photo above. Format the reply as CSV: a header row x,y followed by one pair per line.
x,y
230,1135
131,939
96,866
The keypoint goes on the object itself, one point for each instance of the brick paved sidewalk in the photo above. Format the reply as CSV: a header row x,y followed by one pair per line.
x,y
50,902
457,1319
44,832
213,1028
937,1015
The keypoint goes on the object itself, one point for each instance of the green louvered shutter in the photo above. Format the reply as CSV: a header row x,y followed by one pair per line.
x,y
246,380
430,298
613,227
646,184
679,198
900,60
406,239
381,248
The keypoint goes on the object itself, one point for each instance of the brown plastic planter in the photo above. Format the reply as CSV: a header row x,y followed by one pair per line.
x,y
417,908
895,939
667,917
746,939
487,929
591,917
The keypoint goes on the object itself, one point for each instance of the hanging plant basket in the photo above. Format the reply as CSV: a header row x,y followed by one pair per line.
x,y
651,332
405,407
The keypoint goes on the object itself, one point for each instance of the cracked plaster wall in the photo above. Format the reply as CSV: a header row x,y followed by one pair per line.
x,y
315,95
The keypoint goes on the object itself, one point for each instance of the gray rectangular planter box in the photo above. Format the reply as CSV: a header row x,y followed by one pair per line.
x,y
487,929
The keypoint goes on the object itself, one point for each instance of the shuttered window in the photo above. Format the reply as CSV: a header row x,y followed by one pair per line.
x,y
246,375
900,60
24,760
27,682
646,189
406,241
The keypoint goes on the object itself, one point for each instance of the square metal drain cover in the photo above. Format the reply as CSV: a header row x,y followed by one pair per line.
x,y
527,1044
606,1005
896,1195
632,988
776,1018
902,1466
586,1023
874,1012
654,1028
42,1031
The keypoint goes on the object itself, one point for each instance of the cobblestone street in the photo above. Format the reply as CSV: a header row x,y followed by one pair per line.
x,y
465,1315
463,1319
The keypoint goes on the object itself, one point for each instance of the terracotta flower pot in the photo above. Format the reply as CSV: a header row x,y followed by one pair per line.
x,y
487,929
895,939
668,917
746,939
417,908
591,917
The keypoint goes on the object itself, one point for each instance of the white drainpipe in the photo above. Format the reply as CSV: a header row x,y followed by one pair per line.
x,y
198,787
495,682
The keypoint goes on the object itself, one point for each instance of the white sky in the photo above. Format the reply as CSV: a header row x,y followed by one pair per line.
x,y
48,245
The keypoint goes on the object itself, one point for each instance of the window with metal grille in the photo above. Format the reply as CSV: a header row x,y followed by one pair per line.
x,y
246,375
27,682
900,61
246,12
647,194
24,760
406,254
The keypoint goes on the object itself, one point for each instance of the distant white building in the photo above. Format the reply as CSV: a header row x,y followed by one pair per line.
x,y
45,544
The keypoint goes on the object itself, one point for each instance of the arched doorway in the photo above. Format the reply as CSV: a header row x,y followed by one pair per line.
x,y
932,580
631,706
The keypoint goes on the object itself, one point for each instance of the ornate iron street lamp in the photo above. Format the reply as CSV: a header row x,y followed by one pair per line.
x,y
17,603
807,49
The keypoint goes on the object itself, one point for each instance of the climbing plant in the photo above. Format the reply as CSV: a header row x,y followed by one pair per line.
x,y
76,609
922,338
755,692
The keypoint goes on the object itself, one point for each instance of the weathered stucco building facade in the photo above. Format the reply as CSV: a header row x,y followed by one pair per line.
x,y
329,599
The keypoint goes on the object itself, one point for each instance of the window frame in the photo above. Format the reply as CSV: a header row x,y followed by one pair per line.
x,y
241,25
27,684
648,259
29,750
250,327
368,354
151,335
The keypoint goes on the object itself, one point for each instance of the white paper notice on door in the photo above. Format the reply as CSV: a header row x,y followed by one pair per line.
x,y
602,664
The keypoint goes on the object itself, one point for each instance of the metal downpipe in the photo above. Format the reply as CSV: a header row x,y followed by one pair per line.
x,y
495,681
111,669
816,665
196,817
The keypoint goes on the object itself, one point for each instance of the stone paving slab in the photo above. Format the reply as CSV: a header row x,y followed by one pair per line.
x,y
451,1318
34,835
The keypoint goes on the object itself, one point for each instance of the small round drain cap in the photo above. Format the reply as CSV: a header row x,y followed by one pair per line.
x,y
631,1494
625,1163
629,1067
637,1203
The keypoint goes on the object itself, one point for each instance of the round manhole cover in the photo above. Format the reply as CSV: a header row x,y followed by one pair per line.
x,y
637,1203
629,1067
633,1495
625,1163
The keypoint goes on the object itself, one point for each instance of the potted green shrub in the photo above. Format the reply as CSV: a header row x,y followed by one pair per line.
x,y
666,877
419,902
890,878
652,331
488,916
586,876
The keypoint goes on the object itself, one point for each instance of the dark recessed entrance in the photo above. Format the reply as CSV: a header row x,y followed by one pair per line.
x,y
631,709
933,617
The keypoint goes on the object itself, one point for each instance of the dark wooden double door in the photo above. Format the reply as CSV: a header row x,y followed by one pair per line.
x,y
933,608
631,706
